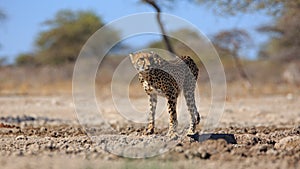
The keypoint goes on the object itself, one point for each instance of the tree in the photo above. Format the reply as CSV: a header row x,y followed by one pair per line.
x,y
3,61
285,43
26,60
161,26
67,33
233,41
2,15
232,7
179,47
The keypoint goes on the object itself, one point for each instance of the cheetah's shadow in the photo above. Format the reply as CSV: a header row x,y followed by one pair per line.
x,y
229,138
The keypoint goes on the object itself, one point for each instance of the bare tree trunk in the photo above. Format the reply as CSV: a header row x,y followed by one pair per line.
x,y
161,26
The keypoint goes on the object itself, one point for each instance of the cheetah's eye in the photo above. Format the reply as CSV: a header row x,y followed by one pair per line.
x,y
141,60
140,64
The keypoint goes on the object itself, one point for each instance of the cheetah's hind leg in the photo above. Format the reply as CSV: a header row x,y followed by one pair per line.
x,y
191,104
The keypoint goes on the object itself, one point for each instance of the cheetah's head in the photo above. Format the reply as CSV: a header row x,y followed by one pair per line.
x,y
143,61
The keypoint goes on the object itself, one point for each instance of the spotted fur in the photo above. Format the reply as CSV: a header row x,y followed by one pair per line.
x,y
167,79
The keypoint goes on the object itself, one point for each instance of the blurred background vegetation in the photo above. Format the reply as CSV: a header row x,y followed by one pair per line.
x,y
48,68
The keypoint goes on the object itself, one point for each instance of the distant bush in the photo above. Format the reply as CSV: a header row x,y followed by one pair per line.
x,y
26,60
65,35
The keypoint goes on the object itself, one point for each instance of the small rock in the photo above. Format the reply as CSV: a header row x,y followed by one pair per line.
x,y
252,130
18,153
23,125
296,130
110,157
54,134
288,143
263,148
21,137
243,109
70,150
179,149
50,145
203,154
34,147
113,122
272,152
259,148
289,96
188,154
229,111
43,129
71,104
55,102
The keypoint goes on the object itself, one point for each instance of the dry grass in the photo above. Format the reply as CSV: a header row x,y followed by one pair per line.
x,y
265,77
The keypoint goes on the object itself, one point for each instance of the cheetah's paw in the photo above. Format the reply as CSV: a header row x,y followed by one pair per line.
x,y
173,135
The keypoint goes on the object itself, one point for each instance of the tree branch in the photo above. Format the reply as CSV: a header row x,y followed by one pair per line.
x,y
161,26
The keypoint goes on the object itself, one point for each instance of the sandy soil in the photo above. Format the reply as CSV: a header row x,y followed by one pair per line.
x,y
43,132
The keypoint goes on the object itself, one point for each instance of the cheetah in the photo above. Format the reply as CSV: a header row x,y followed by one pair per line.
x,y
167,78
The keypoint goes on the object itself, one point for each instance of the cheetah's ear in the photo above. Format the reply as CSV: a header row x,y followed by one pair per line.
x,y
152,54
131,56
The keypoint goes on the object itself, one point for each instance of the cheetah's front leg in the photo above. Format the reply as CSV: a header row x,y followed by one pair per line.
x,y
173,118
151,115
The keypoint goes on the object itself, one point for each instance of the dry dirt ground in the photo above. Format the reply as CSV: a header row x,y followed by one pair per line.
x,y
43,132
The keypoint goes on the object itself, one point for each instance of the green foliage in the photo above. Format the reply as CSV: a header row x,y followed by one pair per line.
x,y
2,61
232,40
180,48
193,38
284,44
26,60
188,40
233,7
2,15
67,33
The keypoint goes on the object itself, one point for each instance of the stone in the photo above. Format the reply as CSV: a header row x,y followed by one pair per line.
x,y
288,143
21,137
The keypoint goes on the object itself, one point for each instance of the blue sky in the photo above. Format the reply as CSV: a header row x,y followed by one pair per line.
x,y
25,18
